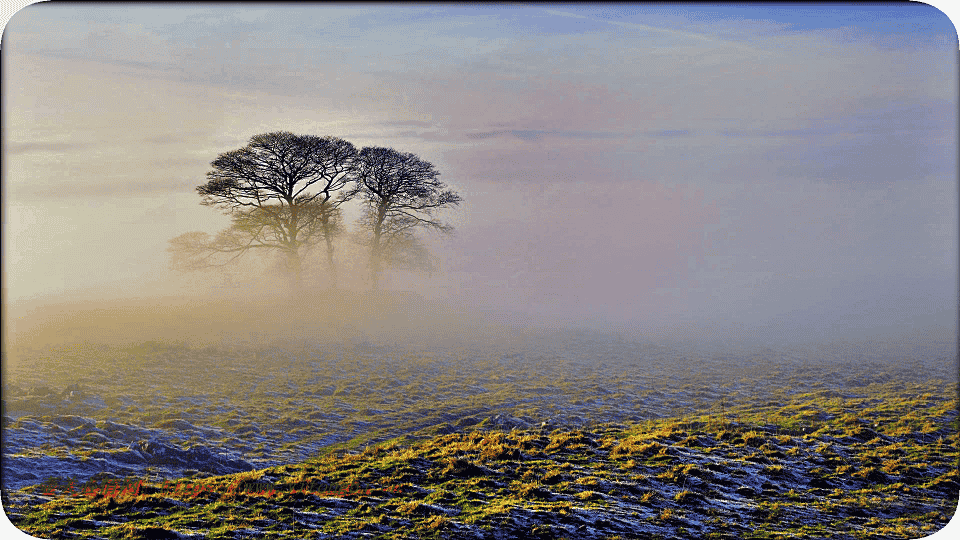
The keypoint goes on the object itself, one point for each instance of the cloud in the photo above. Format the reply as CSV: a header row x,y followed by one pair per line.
x,y
119,188
171,138
670,133
565,14
44,147
415,123
538,134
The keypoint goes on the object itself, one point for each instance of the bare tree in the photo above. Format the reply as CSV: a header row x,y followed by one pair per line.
x,y
258,228
279,191
400,192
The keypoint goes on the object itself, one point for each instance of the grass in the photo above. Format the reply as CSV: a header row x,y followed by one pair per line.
x,y
812,454
535,481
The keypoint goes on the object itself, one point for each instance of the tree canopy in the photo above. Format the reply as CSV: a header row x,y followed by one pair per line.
x,y
279,191
399,192
283,193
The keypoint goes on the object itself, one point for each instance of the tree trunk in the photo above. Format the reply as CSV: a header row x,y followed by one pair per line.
x,y
293,245
376,264
296,272
328,237
333,265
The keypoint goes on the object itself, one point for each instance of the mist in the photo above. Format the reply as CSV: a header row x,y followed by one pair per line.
x,y
762,179
604,270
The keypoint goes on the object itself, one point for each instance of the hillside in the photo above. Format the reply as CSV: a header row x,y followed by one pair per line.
x,y
883,465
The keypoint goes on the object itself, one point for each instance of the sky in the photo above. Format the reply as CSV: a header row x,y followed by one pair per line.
x,y
787,170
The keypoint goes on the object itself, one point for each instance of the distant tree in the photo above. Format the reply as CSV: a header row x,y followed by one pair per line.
x,y
257,228
279,192
399,192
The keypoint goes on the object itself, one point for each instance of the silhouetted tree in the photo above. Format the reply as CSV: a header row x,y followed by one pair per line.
x,y
279,192
399,192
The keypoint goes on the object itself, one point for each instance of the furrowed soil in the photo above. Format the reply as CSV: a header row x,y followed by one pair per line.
x,y
557,435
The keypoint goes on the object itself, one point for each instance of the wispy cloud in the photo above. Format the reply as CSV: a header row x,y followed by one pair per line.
x,y
170,138
538,134
670,133
44,147
416,123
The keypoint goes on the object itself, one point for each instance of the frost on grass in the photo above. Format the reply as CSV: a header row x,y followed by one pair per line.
x,y
560,439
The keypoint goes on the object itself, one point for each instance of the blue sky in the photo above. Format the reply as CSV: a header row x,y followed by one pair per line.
x,y
887,17
621,165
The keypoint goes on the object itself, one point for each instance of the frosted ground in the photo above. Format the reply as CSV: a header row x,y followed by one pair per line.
x,y
159,410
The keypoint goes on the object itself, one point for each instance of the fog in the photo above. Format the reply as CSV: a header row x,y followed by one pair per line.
x,y
705,174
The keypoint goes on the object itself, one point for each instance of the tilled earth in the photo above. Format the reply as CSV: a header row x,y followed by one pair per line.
x,y
798,437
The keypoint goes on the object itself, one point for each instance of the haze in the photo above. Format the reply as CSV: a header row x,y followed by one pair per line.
x,y
784,173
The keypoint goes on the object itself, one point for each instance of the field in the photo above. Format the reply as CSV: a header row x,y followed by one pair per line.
x,y
547,434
